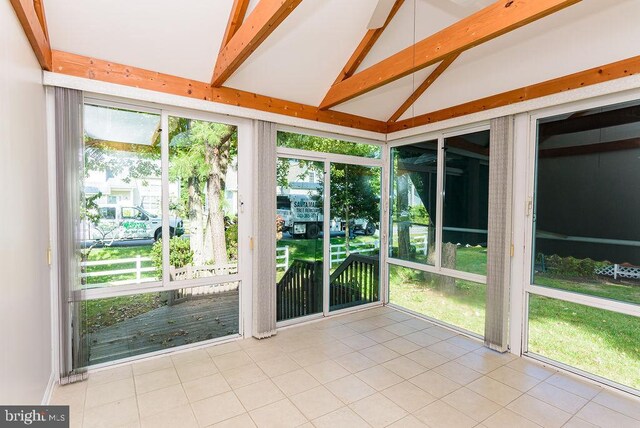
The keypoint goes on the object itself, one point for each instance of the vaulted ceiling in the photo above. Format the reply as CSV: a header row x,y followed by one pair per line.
x,y
301,53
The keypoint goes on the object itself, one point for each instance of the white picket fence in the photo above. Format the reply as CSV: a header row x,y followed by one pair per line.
x,y
282,257
339,251
138,270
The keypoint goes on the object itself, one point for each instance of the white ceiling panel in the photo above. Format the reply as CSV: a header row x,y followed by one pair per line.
x,y
303,56
175,37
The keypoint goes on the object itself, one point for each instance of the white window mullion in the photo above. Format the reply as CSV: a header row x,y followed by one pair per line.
x,y
166,235
440,182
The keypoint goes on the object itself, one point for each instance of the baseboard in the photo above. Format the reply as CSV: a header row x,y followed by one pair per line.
x,y
48,392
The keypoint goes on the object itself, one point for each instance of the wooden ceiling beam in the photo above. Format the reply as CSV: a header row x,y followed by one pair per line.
x,y
238,12
423,87
261,22
495,20
96,69
367,42
612,71
34,29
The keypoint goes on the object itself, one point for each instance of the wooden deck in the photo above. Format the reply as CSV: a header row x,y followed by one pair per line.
x,y
197,319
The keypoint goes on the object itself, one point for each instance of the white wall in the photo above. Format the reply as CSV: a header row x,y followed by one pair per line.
x,y
25,320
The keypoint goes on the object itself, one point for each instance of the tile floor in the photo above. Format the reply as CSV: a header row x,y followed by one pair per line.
x,y
374,368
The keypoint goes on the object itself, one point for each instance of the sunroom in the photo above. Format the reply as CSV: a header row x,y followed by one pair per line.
x,y
320,213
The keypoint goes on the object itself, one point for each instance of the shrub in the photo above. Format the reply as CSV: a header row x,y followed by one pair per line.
x,y
572,267
180,253
231,235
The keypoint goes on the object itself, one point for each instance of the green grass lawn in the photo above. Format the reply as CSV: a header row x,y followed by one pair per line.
x,y
114,253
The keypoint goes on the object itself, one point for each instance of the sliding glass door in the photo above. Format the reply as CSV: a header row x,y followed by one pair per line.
x,y
161,257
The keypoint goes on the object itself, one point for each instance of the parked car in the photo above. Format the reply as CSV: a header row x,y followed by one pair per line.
x,y
118,222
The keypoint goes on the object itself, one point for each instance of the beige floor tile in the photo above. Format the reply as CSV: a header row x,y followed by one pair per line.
x,y
278,366
264,352
232,360
457,372
472,404
341,418
243,376
354,362
418,323
441,332
435,384
494,390
341,332
532,368
427,358
316,402
349,389
191,356
408,396
241,421
259,394
156,401
379,377
465,342
281,414
404,367
362,326
378,411
178,416
397,316
110,375
358,342
505,418
620,402
448,350
400,329
309,356
295,382
408,422
224,348
441,415
123,412
195,369
422,338
152,365
576,386
539,412
557,397
205,387
327,371
336,349
576,422
217,408
380,335
381,320
109,392
155,380
479,363
72,395
605,417
515,379
401,345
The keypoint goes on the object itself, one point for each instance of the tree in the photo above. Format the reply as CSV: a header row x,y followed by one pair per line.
x,y
200,155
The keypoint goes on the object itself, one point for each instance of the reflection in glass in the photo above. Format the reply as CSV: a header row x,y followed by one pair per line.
x,y
299,250
121,199
203,199
413,202
355,240
121,327
587,233
595,340
454,301
327,145
466,203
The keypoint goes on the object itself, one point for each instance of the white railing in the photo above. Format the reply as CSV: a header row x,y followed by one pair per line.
x,y
339,251
421,242
138,270
282,257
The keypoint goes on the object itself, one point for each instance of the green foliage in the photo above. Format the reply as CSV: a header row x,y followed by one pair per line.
x,y
327,145
571,267
180,254
419,214
231,235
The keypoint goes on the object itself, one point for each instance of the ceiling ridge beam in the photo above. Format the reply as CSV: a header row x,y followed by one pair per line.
x,y
495,20
261,22
34,30
236,17
105,71
423,87
592,76
366,44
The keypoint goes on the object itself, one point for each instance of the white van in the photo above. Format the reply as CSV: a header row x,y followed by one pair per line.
x,y
119,222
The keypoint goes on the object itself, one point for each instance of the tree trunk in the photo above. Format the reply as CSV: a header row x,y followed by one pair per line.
x,y
196,221
215,223
404,236
347,232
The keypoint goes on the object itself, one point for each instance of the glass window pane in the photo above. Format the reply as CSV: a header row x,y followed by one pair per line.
x,y
121,327
466,203
587,234
299,250
413,202
595,340
121,201
454,301
327,145
355,238
203,199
